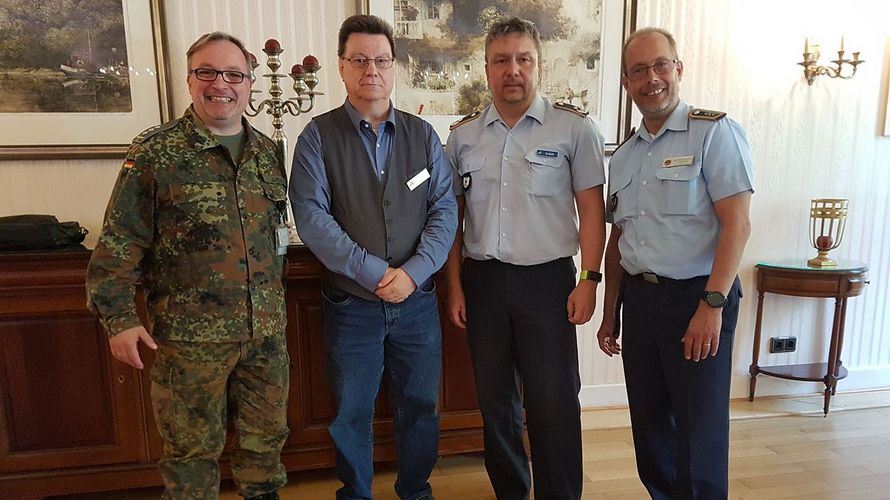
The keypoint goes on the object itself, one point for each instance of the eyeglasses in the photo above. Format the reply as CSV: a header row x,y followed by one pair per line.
x,y
363,62
210,75
661,67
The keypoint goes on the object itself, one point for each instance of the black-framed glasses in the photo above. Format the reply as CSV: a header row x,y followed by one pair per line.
x,y
363,62
661,67
210,75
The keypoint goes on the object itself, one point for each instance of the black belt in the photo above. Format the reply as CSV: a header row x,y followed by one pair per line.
x,y
659,280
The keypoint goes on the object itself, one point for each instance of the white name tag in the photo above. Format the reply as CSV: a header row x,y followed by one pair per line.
x,y
418,179
680,161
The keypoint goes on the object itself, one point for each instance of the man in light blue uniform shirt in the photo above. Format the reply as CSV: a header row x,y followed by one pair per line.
x,y
679,196
520,167
372,198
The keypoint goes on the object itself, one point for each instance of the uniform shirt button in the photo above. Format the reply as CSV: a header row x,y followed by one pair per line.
x,y
676,175
386,203
504,235
643,243
645,182
505,184
382,172
388,222
650,154
642,212
389,240
504,209
506,158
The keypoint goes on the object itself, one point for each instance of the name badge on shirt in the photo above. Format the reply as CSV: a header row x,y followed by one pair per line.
x,y
466,181
281,239
547,154
679,161
418,179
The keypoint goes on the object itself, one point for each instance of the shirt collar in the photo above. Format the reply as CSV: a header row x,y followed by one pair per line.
x,y
357,119
537,109
677,121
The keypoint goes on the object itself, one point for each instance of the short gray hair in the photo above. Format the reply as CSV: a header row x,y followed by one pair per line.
x,y
216,36
511,25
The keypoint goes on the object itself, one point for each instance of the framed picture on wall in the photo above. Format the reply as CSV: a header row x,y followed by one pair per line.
x,y
81,79
440,63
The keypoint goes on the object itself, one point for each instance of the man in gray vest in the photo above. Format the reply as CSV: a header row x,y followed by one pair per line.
x,y
371,194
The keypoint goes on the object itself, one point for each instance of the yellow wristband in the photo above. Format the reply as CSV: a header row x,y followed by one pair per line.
x,y
591,275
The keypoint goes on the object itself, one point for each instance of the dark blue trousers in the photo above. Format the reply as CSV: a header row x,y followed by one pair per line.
x,y
520,335
679,409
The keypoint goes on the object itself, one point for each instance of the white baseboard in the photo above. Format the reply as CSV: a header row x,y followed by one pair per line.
x,y
600,396
859,379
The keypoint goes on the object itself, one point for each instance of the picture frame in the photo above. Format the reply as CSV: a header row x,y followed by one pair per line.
x,y
609,106
88,134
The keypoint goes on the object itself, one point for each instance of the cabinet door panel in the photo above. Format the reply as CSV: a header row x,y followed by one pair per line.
x,y
64,400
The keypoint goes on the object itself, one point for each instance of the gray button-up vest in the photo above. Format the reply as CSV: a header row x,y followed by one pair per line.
x,y
381,215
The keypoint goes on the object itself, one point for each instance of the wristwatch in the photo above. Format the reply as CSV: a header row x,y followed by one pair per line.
x,y
591,275
714,299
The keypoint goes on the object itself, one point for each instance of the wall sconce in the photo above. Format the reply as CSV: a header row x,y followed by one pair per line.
x,y
812,69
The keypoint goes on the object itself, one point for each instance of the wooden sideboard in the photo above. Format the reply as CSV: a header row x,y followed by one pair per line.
x,y
74,420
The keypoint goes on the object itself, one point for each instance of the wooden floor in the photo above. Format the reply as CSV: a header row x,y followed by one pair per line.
x,y
780,448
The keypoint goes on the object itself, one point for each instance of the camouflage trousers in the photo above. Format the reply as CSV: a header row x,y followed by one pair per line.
x,y
193,386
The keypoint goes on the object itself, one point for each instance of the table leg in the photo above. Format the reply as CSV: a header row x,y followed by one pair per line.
x,y
754,369
837,329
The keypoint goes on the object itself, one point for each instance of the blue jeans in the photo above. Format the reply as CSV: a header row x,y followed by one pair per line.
x,y
362,338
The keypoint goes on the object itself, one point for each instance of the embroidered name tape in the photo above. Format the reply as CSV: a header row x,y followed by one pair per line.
x,y
547,154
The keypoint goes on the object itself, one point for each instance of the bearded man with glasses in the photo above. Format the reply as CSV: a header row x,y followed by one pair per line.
x,y
195,214
371,194
679,197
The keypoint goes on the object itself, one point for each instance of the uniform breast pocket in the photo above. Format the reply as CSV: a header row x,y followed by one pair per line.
x,y
469,173
620,203
548,172
274,189
679,185
199,202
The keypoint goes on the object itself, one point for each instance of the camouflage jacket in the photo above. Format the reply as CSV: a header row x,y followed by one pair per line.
x,y
198,232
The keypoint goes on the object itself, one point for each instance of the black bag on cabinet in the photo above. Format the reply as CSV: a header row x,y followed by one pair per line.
x,y
39,232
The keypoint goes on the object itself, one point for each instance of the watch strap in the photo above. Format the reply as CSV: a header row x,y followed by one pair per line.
x,y
591,275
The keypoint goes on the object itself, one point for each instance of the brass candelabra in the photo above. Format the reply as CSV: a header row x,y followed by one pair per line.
x,y
304,83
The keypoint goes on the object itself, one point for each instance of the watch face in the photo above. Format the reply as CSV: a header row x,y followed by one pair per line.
x,y
715,299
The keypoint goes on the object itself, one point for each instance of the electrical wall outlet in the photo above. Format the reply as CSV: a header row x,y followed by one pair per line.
x,y
782,344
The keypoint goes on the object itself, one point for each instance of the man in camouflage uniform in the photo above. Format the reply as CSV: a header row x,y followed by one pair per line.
x,y
196,213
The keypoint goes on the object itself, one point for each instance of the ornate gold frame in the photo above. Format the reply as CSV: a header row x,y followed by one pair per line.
x,y
158,29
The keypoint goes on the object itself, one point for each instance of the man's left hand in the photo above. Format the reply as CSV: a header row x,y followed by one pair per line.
x,y
703,333
398,289
582,302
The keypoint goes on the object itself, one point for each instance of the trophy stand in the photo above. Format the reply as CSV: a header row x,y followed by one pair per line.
x,y
305,81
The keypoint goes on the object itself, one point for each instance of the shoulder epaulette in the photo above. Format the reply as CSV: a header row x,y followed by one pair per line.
x,y
706,114
150,132
633,132
571,108
467,119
